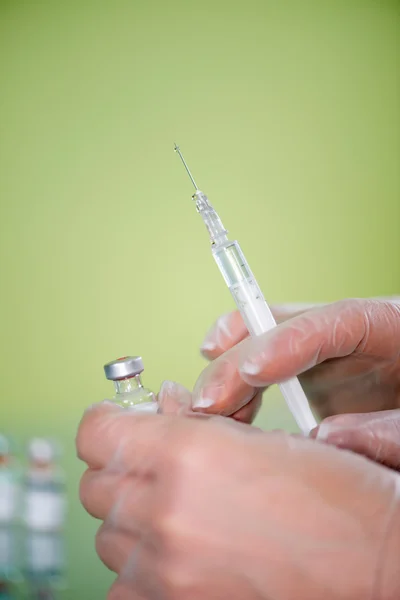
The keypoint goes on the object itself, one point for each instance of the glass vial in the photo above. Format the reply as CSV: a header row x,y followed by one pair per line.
x,y
44,516
9,514
129,391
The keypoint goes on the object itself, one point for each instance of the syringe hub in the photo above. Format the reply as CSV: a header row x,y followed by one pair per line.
x,y
216,230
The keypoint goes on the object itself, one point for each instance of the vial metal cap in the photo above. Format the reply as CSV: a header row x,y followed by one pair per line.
x,y
125,367
41,450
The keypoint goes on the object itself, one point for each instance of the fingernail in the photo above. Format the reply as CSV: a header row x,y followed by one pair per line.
x,y
167,389
208,346
250,368
213,337
172,389
223,325
329,431
207,397
322,432
203,402
209,342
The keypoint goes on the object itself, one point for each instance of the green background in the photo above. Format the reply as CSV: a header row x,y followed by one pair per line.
x,y
288,113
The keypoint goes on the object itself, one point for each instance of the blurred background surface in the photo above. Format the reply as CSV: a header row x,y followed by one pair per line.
x,y
288,114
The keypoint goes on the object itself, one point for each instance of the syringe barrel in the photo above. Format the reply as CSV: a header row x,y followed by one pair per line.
x,y
258,319
244,288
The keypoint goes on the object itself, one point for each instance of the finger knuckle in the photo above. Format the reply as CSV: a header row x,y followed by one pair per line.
x,y
102,545
93,423
81,437
120,591
115,593
84,490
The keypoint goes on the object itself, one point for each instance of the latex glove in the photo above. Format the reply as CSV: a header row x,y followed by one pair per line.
x,y
209,508
170,403
375,435
346,353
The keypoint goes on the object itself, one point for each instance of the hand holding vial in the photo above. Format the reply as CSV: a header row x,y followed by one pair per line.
x,y
205,507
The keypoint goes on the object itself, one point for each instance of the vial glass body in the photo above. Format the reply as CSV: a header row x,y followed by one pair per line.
x,y
45,502
45,499
9,512
131,394
45,560
9,484
9,563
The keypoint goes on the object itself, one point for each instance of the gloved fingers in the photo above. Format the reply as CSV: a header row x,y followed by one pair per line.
x,y
94,415
134,508
229,329
114,547
301,343
174,399
98,491
95,421
120,590
249,411
137,583
219,389
374,435
102,492
131,559
283,312
333,331
225,385
124,505
122,441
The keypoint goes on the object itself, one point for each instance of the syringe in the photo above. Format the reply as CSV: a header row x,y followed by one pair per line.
x,y
248,297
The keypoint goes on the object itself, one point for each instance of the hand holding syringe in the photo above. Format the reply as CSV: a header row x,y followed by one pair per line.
x,y
248,297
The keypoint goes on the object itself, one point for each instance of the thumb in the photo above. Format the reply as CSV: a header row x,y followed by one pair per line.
x,y
374,435
174,399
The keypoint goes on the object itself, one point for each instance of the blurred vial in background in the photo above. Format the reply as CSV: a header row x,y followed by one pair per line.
x,y
44,516
9,512
8,482
129,391
45,560
45,501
